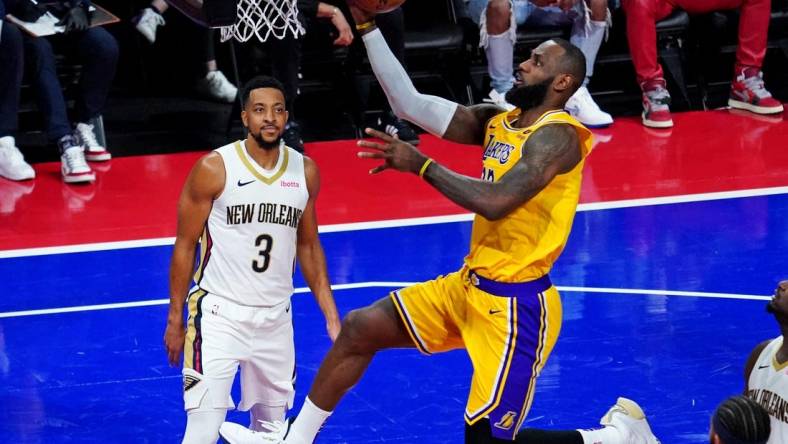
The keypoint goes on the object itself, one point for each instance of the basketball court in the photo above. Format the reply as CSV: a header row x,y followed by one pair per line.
x,y
679,241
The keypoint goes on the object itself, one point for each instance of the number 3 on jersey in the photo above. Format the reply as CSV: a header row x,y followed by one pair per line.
x,y
488,174
264,253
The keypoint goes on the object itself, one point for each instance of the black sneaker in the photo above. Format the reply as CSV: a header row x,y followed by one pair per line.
x,y
394,126
292,137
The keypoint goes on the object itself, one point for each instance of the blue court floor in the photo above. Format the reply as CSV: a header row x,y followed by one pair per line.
x,y
100,375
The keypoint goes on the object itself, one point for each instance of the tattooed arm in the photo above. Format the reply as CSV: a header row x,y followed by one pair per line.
x,y
551,150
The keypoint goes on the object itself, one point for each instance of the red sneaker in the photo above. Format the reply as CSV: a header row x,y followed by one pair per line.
x,y
656,101
748,93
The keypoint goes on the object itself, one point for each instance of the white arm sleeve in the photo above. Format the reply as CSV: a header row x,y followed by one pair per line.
x,y
429,112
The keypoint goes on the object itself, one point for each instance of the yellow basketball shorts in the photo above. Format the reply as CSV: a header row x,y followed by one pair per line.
x,y
508,330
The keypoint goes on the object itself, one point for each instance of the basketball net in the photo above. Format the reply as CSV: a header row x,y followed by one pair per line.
x,y
264,18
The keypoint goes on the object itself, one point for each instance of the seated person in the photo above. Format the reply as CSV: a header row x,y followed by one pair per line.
x,y
747,90
498,21
214,84
97,51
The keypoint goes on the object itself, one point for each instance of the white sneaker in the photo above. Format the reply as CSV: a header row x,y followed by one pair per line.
x,y
583,108
94,152
498,99
72,162
12,163
628,418
237,434
147,22
216,86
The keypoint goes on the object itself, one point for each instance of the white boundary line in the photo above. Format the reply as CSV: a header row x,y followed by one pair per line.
x,y
355,226
46,311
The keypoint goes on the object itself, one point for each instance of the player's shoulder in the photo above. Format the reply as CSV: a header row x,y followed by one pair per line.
x,y
755,354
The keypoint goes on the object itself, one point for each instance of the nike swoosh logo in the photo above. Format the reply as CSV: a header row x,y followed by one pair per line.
x,y
763,366
241,184
492,312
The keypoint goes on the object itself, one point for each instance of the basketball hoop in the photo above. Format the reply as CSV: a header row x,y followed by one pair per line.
x,y
264,19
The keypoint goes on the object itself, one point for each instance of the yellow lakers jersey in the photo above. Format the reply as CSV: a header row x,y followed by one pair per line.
x,y
524,244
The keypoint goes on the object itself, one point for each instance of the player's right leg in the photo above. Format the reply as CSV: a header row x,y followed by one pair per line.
x,y
212,351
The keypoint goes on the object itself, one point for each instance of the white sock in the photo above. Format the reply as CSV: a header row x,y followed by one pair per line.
x,y
306,425
500,59
605,435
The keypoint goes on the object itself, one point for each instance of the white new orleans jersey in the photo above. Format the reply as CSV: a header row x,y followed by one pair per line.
x,y
248,247
768,386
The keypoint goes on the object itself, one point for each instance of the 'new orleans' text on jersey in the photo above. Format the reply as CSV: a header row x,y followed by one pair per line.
x,y
265,213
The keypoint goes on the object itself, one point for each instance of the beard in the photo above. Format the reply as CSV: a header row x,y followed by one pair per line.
x,y
529,96
268,146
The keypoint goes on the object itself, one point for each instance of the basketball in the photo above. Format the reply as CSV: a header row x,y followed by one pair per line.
x,y
376,6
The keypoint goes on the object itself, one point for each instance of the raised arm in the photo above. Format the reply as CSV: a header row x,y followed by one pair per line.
x,y
551,150
204,184
434,114
311,256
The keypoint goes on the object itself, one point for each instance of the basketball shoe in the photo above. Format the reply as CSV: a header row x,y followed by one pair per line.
x,y
583,108
628,418
72,161
748,93
275,433
12,163
216,86
394,126
656,102
86,137
498,99
147,22
292,136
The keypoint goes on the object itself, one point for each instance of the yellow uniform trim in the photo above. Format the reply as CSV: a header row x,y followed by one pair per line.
x,y
191,328
406,321
255,172
777,365
203,250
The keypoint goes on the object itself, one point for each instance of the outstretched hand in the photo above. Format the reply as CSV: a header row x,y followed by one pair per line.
x,y
395,153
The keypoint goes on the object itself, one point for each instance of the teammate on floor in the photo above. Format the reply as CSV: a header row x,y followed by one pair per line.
x,y
765,378
739,420
501,305
253,203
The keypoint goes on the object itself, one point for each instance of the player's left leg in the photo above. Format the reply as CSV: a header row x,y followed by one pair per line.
x,y
511,332
268,377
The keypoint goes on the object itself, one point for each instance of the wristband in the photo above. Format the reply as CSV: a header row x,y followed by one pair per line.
x,y
424,167
365,25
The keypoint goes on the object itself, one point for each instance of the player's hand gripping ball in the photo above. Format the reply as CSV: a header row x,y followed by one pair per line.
x,y
376,6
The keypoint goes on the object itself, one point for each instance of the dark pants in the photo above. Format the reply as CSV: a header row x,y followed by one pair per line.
x,y
11,68
97,52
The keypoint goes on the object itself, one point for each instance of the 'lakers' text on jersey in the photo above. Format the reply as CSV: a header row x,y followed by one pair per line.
x,y
524,245
768,386
248,247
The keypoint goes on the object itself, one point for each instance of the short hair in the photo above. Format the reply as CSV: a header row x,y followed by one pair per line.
x,y
573,61
261,82
741,419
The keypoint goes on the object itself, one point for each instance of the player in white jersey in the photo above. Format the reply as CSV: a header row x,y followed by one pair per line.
x,y
766,372
251,207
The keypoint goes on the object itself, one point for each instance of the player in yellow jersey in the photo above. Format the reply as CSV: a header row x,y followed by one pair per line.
x,y
501,305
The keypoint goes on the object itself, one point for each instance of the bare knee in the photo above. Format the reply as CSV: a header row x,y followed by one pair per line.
x,y
598,9
358,332
499,15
